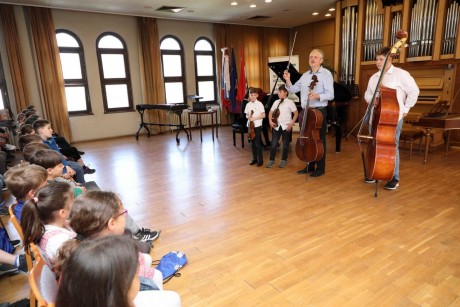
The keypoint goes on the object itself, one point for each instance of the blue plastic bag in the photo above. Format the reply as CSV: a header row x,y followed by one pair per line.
x,y
170,264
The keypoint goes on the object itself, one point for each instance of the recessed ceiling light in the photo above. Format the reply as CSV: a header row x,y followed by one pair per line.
x,y
234,3
177,10
328,14
315,13
268,1
252,5
331,9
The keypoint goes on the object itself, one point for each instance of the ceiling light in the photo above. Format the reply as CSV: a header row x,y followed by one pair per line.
x,y
234,3
328,14
177,10
252,6
315,13
268,1
331,9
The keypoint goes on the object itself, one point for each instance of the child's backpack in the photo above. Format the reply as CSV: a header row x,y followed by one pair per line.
x,y
170,264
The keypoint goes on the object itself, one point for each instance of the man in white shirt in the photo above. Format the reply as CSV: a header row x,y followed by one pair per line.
x,y
407,93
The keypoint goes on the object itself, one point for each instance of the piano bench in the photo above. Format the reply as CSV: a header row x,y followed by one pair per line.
x,y
412,135
240,130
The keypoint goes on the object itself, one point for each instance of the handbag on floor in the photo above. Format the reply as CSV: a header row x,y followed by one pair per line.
x,y
170,263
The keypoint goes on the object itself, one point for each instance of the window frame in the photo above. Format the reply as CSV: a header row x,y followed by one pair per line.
x,y
77,82
4,88
114,81
214,71
174,79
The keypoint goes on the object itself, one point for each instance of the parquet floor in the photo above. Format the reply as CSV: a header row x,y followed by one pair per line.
x,y
267,237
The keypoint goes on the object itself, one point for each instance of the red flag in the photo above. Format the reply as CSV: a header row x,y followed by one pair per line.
x,y
242,84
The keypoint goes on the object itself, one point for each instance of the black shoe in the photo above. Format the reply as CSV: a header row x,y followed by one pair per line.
x,y
88,170
317,173
21,263
259,164
253,162
147,235
81,153
15,243
308,169
392,185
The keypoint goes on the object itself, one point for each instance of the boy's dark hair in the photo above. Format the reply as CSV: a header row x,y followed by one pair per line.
x,y
283,88
253,90
23,178
383,51
94,283
46,158
24,140
26,129
31,119
40,123
30,149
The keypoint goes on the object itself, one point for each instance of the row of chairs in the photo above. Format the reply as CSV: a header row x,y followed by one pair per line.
x,y
42,281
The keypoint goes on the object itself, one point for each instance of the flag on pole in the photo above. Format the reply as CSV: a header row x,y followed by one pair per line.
x,y
225,84
242,83
233,82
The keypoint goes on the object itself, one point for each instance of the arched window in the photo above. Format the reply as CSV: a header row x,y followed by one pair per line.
x,y
74,72
113,62
205,70
172,60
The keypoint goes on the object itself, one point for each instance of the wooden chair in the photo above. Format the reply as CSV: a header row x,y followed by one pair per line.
x,y
29,261
43,283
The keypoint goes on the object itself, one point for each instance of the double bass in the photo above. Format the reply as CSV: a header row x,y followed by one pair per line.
x,y
309,146
382,116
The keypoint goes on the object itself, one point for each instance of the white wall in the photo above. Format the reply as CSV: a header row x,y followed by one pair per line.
x,y
88,26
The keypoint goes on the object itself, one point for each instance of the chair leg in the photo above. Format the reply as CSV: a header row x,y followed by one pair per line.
x,y
234,138
242,139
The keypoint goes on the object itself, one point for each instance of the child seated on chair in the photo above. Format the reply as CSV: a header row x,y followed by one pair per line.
x,y
94,283
44,218
42,127
51,161
23,181
98,214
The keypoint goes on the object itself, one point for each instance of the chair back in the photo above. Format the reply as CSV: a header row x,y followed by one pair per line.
x,y
29,261
43,283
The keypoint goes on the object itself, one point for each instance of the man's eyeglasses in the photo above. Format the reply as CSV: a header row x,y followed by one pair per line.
x,y
125,211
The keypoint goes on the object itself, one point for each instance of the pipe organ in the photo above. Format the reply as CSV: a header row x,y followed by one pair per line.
x,y
422,25
373,31
451,25
431,55
349,30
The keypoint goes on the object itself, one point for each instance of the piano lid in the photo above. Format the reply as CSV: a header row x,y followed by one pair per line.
x,y
341,92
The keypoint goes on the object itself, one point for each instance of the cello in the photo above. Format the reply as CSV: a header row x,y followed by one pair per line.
x,y
382,116
309,146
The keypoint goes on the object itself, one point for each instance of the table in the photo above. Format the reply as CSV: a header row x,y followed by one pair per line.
x,y
198,115
446,122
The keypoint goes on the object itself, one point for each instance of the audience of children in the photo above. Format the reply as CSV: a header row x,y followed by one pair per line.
x,y
97,221
105,270
98,214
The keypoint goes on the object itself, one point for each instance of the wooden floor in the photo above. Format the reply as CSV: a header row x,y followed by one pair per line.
x,y
266,237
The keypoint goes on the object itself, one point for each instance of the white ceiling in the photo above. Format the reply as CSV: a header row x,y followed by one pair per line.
x,y
281,13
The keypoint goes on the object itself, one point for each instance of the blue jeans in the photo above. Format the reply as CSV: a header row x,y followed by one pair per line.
x,y
276,135
79,172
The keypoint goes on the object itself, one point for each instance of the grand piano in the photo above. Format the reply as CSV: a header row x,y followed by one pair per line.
x,y
337,108
176,108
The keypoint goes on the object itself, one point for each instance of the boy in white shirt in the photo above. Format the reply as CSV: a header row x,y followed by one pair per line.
x,y
255,112
281,125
